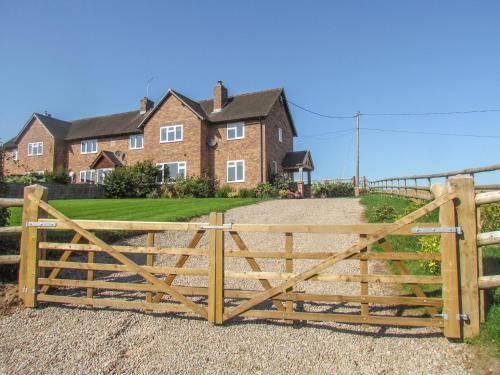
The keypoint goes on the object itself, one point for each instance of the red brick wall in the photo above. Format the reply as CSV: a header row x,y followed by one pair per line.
x,y
36,132
247,149
275,150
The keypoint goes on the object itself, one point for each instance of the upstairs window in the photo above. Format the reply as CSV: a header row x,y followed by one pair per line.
x,y
280,135
89,146
236,171
136,142
171,133
35,148
170,171
235,131
14,154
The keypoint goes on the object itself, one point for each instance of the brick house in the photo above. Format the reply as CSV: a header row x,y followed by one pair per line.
x,y
241,140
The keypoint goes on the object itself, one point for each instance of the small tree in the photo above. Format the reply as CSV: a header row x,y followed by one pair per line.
x,y
134,181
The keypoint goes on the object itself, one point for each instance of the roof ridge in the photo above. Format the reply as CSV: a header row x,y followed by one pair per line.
x,y
247,93
94,117
51,117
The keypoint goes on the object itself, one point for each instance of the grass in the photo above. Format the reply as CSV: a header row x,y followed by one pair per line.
x,y
140,209
490,330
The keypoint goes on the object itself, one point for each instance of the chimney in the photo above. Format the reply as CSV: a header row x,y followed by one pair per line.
x,y
146,105
220,96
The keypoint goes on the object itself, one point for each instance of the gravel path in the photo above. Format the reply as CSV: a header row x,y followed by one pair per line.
x,y
63,339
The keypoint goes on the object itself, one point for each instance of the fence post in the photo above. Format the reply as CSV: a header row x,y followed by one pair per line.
x,y
30,253
449,267
216,269
466,212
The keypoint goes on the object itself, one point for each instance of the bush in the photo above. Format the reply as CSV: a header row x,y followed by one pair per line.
x,y
57,177
223,191
490,217
4,212
247,193
265,190
430,245
26,179
332,189
190,187
384,213
282,182
232,194
136,181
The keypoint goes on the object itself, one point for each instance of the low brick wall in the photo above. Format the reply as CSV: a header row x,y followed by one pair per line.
x,y
58,191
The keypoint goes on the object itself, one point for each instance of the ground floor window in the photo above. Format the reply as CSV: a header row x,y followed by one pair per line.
x,y
235,171
102,173
170,171
87,176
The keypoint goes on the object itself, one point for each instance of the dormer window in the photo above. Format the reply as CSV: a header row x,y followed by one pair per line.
x,y
235,131
35,148
89,146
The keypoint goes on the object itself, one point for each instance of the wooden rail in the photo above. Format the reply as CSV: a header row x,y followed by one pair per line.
x,y
6,203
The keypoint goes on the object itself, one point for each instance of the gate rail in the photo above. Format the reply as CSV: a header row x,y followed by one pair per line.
x,y
218,303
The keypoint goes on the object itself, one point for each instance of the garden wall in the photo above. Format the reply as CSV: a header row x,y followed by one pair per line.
x,y
59,191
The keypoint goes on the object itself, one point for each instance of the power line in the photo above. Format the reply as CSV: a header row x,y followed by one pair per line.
x,y
327,133
432,113
336,117
434,133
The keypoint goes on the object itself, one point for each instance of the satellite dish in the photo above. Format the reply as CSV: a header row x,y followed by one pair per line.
x,y
212,142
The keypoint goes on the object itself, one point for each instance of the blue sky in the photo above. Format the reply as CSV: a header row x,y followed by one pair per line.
x,y
85,58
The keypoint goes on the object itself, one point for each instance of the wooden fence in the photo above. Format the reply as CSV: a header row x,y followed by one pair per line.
x,y
7,203
86,273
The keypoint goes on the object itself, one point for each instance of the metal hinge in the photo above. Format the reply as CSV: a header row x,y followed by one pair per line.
x,y
227,226
25,290
40,224
437,230
464,317
443,315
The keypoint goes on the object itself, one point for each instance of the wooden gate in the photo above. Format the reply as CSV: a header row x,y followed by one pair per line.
x,y
456,311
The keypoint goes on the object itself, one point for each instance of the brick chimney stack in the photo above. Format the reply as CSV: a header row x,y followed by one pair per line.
x,y
220,96
146,105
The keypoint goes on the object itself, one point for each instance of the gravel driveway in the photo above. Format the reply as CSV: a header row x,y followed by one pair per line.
x,y
63,339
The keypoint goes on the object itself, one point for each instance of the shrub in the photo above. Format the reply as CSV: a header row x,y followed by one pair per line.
x,y
282,182
26,179
265,190
4,212
223,191
384,213
57,177
332,189
430,245
490,217
247,193
282,193
134,181
232,194
190,187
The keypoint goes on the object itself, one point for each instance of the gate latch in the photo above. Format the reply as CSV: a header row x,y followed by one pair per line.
x,y
437,230
227,226
443,315
40,224
464,317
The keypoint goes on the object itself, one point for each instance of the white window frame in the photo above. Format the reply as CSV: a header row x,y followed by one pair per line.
x,y
180,165
86,143
171,129
96,174
35,145
235,165
234,126
132,142
275,167
14,154
92,176
280,135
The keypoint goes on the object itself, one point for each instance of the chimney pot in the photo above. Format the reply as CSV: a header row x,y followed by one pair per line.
x,y
220,96
146,105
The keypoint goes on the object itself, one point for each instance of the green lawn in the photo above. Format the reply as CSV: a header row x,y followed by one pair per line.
x,y
140,209
490,331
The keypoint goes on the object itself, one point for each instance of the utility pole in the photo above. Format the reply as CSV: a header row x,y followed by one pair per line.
x,y
356,188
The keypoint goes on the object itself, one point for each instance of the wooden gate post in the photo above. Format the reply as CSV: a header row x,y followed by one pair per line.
x,y
469,290
216,269
30,253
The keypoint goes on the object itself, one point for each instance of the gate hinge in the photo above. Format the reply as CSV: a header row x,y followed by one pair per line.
x,y
25,290
40,224
464,317
227,226
443,315
437,230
